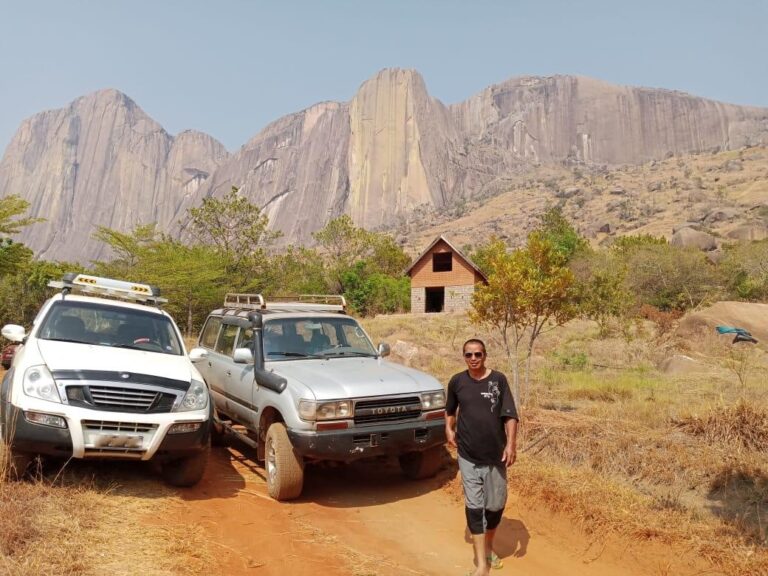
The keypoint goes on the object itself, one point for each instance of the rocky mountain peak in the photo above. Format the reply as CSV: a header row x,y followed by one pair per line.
x,y
388,152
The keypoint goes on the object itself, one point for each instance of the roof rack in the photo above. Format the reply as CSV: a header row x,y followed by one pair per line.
x,y
244,301
308,302
302,302
87,284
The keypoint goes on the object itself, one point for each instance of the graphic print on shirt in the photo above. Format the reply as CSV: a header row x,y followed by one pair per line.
x,y
492,394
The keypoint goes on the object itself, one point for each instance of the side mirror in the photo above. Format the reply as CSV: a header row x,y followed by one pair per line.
x,y
197,354
384,349
243,356
14,332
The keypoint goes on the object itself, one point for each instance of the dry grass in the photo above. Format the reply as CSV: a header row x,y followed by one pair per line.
x,y
742,425
617,445
71,524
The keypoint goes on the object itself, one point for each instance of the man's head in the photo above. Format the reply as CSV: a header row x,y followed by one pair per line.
x,y
474,354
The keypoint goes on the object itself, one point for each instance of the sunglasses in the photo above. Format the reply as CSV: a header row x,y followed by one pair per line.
x,y
474,354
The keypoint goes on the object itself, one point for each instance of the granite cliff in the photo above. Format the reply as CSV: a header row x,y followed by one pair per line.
x,y
392,148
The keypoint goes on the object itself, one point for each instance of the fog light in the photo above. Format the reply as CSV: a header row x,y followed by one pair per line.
x,y
45,419
184,427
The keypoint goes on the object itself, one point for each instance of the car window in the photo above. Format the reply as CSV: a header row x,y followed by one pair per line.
x,y
226,342
210,332
245,338
289,338
354,337
104,325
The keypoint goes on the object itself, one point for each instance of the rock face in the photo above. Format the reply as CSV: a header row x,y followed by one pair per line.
x,y
390,149
101,161
690,238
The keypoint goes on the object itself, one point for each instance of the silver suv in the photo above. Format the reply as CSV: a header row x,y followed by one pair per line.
x,y
300,381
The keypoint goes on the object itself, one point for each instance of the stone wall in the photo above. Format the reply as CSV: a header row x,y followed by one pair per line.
x,y
458,298
418,300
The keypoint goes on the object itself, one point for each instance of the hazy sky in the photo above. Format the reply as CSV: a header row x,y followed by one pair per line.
x,y
229,67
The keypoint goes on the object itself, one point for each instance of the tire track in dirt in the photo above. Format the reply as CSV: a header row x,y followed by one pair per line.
x,y
366,520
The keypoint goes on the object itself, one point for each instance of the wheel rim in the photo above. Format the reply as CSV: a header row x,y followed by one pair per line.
x,y
271,462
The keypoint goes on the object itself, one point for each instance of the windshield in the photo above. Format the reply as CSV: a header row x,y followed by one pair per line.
x,y
306,337
104,325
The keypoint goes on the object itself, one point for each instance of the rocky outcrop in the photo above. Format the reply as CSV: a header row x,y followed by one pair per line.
x,y
690,238
389,150
101,162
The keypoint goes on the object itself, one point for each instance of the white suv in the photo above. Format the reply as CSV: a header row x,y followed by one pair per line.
x,y
104,374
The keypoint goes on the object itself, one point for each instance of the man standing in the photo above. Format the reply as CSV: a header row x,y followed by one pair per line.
x,y
486,439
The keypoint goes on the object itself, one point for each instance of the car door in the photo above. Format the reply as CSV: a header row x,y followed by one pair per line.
x,y
207,340
220,366
242,382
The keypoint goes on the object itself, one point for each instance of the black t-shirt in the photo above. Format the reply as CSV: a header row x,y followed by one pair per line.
x,y
484,406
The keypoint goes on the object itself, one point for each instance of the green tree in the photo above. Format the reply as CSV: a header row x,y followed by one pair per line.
x,y
238,230
367,267
671,278
745,269
369,294
10,208
193,278
556,228
296,270
528,290
603,289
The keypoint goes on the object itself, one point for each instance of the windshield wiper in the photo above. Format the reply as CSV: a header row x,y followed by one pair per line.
x,y
350,353
129,346
293,354
69,340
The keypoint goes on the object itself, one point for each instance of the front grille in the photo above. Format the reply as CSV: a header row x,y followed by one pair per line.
x,y
107,426
120,399
387,410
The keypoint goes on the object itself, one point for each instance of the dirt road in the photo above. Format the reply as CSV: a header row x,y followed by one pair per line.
x,y
365,520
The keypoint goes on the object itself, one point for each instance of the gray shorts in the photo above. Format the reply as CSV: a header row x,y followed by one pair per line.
x,y
485,486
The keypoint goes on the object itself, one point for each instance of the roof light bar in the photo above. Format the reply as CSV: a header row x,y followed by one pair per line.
x,y
87,284
244,301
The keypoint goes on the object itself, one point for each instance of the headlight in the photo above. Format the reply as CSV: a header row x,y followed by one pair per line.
x,y
307,409
433,400
196,397
39,383
335,410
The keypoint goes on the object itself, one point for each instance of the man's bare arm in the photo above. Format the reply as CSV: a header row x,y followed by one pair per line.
x,y
450,429
510,450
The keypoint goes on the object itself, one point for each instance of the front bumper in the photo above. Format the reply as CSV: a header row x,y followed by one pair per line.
x,y
76,439
365,442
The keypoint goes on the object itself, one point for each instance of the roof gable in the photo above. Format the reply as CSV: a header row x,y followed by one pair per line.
x,y
456,251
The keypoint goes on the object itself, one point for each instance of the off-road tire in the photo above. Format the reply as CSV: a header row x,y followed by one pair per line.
x,y
424,464
218,435
285,468
186,472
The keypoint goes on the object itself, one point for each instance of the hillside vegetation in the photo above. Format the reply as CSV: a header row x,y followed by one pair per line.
x,y
724,193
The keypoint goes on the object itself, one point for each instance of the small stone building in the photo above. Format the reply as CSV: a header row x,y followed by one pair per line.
x,y
443,279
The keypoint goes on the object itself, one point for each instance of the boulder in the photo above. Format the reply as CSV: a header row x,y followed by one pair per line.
x,y
406,351
682,225
680,364
749,232
690,238
721,215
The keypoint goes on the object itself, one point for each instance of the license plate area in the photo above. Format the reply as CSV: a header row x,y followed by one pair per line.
x,y
118,436
119,441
